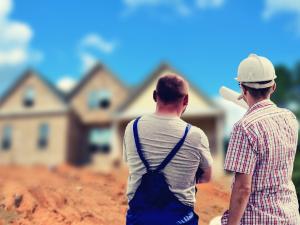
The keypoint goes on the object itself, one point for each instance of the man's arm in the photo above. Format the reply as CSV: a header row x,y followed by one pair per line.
x,y
124,151
241,158
241,191
125,139
204,172
203,175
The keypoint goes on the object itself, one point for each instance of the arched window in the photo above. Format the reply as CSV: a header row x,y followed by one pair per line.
x,y
29,97
99,99
104,99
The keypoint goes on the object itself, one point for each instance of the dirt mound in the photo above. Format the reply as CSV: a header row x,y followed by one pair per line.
x,y
72,196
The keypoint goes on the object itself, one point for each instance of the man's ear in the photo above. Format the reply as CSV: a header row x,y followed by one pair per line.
x,y
155,95
244,91
186,100
273,88
244,94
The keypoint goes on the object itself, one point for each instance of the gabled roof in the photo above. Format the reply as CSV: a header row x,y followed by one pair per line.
x,y
23,77
95,69
153,76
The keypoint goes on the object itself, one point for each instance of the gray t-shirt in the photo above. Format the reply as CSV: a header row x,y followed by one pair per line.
x,y
158,135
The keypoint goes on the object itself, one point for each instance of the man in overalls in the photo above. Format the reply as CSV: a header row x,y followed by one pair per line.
x,y
261,153
165,157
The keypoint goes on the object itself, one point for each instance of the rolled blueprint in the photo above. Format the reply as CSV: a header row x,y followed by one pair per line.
x,y
232,96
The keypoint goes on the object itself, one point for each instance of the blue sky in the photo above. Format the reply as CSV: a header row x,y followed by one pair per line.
x,y
203,39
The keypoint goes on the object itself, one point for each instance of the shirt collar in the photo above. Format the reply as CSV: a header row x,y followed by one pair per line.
x,y
260,104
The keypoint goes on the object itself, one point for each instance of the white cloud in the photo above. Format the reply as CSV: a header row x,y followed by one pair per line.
x,y
138,3
66,84
203,4
89,48
179,6
5,8
98,42
88,61
15,39
276,7
233,113
13,56
273,7
182,7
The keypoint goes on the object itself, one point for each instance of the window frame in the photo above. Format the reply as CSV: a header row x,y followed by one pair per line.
x,y
104,148
29,97
7,138
43,139
96,99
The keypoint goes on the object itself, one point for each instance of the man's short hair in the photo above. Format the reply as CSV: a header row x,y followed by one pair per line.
x,y
171,88
259,93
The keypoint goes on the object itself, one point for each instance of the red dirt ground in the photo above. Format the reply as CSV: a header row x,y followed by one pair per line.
x,y
72,196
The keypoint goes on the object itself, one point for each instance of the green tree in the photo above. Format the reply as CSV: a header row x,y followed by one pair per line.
x,y
284,83
297,73
287,95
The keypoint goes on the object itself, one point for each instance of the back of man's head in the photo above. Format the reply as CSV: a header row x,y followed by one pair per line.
x,y
171,88
259,93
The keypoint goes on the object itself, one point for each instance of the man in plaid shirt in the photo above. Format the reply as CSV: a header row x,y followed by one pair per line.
x,y
261,153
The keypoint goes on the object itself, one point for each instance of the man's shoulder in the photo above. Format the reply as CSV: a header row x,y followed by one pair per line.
x,y
129,127
130,123
197,131
264,114
239,125
194,132
292,118
288,113
197,135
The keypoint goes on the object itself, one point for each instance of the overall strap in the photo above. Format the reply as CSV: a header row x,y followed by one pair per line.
x,y
174,150
138,144
169,156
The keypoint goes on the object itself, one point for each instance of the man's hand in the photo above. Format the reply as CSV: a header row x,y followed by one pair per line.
x,y
203,175
239,197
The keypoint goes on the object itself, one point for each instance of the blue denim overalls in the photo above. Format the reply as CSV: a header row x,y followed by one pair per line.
x,y
153,202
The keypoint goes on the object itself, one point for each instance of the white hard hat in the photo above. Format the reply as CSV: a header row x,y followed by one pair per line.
x,y
255,69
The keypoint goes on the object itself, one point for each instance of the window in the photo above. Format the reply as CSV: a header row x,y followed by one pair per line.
x,y
29,97
104,99
92,101
100,140
100,99
7,137
43,138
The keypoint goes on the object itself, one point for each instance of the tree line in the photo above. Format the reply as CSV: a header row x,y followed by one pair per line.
x,y
288,95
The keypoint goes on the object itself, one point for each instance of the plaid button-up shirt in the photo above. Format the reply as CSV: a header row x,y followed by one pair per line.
x,y
264,143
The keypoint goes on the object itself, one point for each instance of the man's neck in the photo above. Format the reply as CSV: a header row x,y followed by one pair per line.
x,y
252,102
167,111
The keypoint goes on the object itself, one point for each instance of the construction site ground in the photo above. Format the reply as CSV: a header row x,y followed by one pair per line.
x,y
72,196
